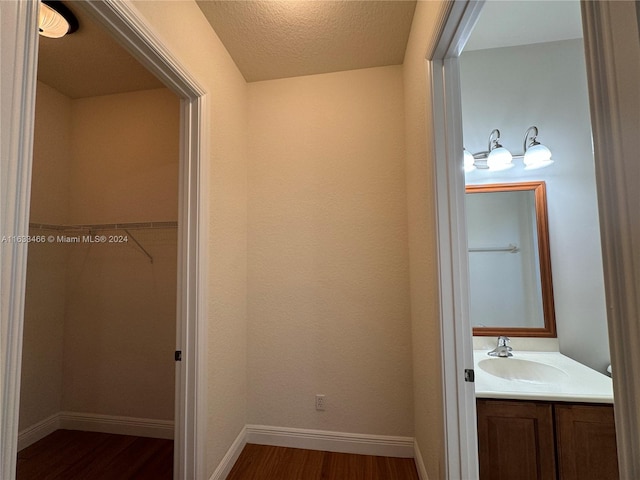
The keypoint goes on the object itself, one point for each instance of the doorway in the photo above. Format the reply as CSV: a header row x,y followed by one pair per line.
x,y
100,304
599,23
538,77
125,26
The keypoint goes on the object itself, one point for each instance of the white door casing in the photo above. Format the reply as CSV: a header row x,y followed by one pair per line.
x,y
456,341
19,58
612,48
609,46
19,50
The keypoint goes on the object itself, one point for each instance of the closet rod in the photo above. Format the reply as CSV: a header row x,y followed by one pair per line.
x,y
106,226
511,249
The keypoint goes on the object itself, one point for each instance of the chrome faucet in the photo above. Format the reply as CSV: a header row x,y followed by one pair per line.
x,y
502,349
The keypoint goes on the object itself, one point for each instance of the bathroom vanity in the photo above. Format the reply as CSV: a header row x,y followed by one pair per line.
x,y
541,415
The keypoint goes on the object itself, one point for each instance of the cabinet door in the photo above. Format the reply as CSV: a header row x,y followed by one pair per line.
x,y
515,440
586,442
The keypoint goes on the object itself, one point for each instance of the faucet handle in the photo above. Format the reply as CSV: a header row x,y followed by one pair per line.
x,y
502,341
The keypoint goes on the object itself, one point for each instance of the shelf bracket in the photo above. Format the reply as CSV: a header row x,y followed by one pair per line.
x,y
139,245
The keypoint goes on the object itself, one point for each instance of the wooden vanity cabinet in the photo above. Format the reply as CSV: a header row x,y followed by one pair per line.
x,y
586,442
515,440
546,441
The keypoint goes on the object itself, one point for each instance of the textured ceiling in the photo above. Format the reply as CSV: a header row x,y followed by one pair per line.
x,y
90,63
277,39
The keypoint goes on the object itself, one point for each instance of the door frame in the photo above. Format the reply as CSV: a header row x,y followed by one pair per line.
x,y
614,120
460,429
133,32
17,96
616,201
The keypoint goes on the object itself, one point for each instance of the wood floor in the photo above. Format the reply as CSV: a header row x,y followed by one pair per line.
x,y
259,462
73,455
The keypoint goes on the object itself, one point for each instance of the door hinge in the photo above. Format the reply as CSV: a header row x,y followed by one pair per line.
x,y
178,356
469,375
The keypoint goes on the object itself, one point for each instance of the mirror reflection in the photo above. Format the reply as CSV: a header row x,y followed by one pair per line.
x,y
509,266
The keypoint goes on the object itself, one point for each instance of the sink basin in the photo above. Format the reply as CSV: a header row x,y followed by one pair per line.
x,y
523,370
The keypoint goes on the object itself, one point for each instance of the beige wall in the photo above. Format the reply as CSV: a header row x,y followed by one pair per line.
x,y
124,158
100,318
335,160
183,28
120,327
192,41
328,265
120,318
42,352
227,332
51,157
427,378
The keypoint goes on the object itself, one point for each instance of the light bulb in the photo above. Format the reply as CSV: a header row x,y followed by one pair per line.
x,y
537,156
499,159
468,161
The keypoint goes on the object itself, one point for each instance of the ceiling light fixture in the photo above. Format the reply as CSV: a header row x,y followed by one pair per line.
x,y
55,20
497,158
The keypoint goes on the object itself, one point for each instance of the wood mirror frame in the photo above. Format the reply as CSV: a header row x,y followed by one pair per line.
x,y
546,280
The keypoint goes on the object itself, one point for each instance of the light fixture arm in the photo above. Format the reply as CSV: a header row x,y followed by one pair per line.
x,y
538,157
494,136
525,144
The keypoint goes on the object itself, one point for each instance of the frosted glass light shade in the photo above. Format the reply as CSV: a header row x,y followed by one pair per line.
x,y
537,156
51,24
499,159
468,161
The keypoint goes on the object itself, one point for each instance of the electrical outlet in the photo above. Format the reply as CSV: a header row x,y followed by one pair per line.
x,y
319,402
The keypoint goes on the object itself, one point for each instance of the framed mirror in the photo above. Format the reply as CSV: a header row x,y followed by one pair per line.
x,y
510,282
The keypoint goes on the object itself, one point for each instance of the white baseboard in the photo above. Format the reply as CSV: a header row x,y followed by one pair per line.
x,y
93,422
38,431
382,445
229,460
422,470
140,427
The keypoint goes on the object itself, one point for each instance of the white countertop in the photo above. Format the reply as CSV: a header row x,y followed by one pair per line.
x,y
575,382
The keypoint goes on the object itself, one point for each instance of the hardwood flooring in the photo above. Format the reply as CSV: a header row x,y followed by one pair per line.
x,y
74,455
260,462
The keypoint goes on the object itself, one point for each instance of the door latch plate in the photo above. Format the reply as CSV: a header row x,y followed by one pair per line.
x,y
469,375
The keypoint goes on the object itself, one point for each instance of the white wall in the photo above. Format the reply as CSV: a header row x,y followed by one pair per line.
x,y
328,264
545,85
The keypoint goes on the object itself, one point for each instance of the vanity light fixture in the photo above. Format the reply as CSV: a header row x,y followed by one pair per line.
x,y
536,155
469,161
55,20
497,158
